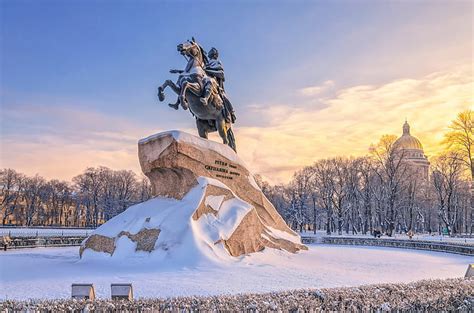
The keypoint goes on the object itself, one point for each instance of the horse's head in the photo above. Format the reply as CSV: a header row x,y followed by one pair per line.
x,y
191,49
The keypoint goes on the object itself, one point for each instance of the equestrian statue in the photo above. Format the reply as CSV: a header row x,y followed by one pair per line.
x,y
200,88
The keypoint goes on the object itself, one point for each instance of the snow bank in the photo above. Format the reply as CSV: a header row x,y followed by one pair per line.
x,y
184,236
423,296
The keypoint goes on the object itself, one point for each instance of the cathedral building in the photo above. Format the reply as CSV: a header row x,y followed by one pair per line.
x,y
413,152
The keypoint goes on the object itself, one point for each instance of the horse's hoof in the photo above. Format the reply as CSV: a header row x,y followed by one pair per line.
x,y
161,94
173,105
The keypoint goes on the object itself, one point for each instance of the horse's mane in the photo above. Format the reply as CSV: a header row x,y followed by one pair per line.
x,y
204,54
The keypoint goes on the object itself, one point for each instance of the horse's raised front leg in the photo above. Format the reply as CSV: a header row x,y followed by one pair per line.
x,y
167,83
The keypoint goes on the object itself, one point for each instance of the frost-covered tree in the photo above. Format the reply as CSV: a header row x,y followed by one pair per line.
x,y
392,171
447,182
12,185
35,193
460,138
324,186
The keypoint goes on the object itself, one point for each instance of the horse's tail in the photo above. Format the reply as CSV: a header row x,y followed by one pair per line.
x,y
231,139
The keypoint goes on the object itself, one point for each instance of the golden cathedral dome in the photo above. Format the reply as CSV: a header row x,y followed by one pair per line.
x,y
407,141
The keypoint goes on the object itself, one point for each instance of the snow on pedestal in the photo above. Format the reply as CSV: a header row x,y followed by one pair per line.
x,y
206,205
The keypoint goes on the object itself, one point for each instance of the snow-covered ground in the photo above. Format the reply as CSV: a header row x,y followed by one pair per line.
x,y
43,232
49,272
427,237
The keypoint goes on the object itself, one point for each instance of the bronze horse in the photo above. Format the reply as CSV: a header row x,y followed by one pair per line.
x,y
190,87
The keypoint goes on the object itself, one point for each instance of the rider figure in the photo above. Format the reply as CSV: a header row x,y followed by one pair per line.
x,y
215,69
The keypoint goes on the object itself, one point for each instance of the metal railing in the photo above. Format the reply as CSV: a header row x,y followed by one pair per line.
x,y
35,242
44,232
449,247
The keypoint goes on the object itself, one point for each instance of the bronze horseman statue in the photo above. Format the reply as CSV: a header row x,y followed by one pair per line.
x,y
200,88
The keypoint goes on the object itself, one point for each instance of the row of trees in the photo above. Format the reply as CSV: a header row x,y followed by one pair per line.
x,y
93,197
385,191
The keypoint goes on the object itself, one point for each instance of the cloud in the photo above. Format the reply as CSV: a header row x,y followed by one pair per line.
x,y
354,118
61,141
317,90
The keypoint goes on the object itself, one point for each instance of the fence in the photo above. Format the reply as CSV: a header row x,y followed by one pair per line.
x,y
34,242
24,237
449,247
45,232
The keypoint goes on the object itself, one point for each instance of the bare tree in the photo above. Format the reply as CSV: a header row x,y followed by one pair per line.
x,y
447,180
392,171
324,184
35,193
144,189
340,190
89,186
59,199
302,186
118,192
460,138
366,179
12,186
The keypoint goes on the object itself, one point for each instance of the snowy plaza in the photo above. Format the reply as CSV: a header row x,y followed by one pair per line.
x,y
49,272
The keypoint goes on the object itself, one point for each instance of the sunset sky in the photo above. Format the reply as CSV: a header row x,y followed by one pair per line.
x,y
308,79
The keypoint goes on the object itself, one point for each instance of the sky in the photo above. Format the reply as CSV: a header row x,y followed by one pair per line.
x,y
308,79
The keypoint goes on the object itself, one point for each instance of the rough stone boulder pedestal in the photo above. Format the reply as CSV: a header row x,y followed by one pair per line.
x,y
206,203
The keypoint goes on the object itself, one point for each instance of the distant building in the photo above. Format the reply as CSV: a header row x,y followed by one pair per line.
x,y
413,152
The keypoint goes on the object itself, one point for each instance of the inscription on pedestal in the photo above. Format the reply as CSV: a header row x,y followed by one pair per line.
x,y
223,169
